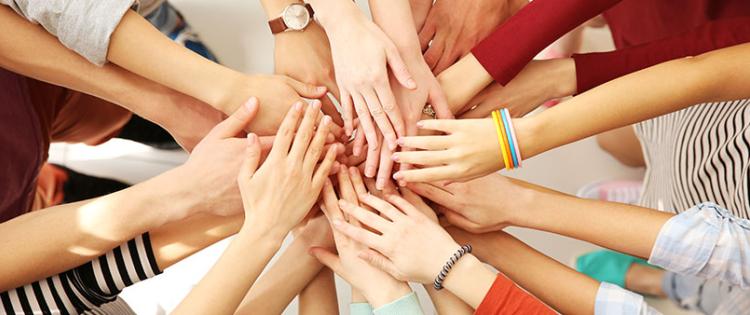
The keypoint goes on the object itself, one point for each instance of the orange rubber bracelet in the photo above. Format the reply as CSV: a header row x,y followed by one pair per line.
x,y
500,136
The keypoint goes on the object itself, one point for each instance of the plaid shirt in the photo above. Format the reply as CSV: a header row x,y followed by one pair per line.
x,y
708,242
614,300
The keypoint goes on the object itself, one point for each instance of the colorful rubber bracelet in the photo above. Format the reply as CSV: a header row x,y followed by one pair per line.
x,y
506,145
498,128
516,145
505,115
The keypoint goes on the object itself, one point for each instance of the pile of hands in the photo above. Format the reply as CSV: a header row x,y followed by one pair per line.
x,y
342,160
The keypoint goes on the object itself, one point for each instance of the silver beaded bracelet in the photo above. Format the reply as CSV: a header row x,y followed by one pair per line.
x,y
438,284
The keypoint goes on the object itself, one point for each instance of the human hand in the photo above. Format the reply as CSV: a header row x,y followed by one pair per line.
x,y
214,163
378,287
419,11
306,56
362,74
399,243
276,94
277,195
469,149
455,27
540,81
467,205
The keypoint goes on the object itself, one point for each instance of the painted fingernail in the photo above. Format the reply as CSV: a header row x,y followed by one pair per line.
x,y
252,138
398,176
394,157
298,106
420,124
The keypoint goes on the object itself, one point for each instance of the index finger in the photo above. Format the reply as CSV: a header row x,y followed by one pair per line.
x,y
286,131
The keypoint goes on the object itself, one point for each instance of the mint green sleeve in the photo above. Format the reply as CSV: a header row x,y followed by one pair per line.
x,y
406,305
360,309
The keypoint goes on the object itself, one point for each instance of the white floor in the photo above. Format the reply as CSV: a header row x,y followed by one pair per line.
x,y
237,32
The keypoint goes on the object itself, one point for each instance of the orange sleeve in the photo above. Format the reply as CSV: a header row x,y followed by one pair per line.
x,y
505,298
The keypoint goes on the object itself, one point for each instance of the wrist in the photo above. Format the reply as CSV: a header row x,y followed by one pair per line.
x,y
564,72
332,14
274,8
529,133
261,237
470,280
379,295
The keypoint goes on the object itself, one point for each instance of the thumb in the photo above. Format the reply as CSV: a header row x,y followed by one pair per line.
x,y
252,157
237,122
399,68
327,258
381,262
307,90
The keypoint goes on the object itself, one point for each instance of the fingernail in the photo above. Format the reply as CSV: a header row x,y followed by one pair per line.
x,y
400,141
251,138
380,183
336,165
411,83
322,88
394,157
326,120
402,183
398,176
251,103
392,145
316,104
420,124
370,171
298,106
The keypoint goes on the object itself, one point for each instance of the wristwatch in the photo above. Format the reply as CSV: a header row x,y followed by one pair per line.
x,y
295,17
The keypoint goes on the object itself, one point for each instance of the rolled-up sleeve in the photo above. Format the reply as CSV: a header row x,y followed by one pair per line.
x,y
84,26
705,241
613,300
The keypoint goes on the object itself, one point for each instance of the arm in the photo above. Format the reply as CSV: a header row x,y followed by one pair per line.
x,y
62,237
294,271
31,51
319,296
579,294
447,303
714,76
272,208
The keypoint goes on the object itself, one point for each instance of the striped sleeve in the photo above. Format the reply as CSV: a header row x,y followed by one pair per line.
x,y
88,286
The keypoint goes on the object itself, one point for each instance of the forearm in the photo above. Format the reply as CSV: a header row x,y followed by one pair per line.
x,y
31,51
447,303
56,239
319,296
621,227
573,293
395,19
462,81
469,280
716,76
224,286
330,12
284,280
140,48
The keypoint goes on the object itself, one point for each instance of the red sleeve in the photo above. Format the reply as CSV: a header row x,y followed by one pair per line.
x,y
537,25
594,69
506,298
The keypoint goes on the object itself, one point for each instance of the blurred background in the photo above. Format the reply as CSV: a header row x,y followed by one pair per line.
x,y
237,32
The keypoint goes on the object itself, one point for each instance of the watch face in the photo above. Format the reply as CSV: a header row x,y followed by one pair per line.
x,y
296,16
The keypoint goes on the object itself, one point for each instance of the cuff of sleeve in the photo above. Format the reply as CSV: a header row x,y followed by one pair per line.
x,y
685,243
406,305
86,27
611,299
360,309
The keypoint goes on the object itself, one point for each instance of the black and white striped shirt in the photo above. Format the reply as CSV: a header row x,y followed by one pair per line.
x,y
87,287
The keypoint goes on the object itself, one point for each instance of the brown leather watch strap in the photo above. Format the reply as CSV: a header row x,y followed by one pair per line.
x,y
277,25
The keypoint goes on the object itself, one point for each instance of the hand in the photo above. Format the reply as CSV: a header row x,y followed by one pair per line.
x,y
419,11
469,206
214,163
455,27
362,75
277,195
306,56
375,285
469,149
412,103
540,81
276,94
405,242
